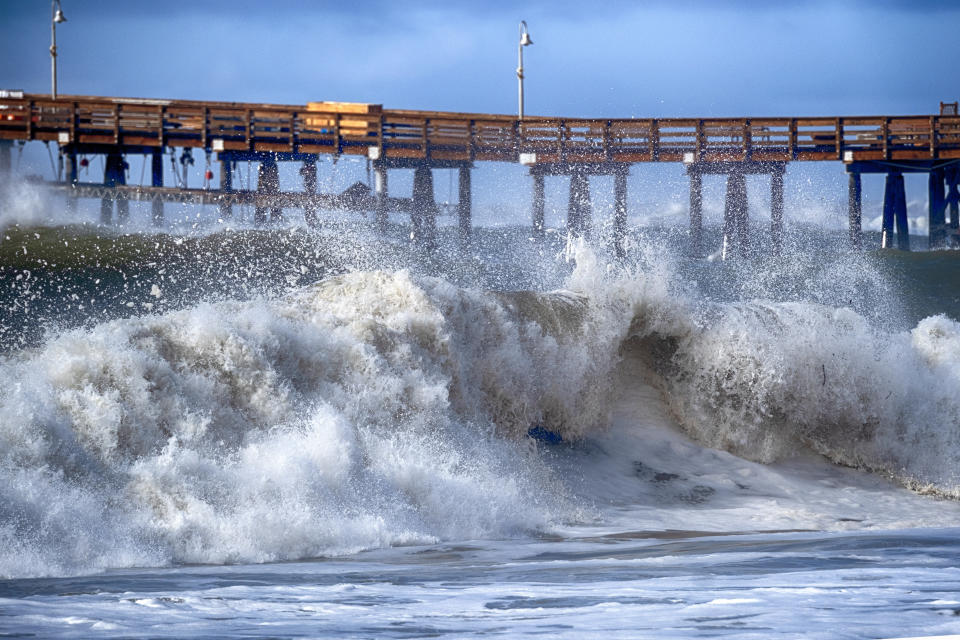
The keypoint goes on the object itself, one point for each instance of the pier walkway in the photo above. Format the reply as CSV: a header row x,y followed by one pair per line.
x,y
548,146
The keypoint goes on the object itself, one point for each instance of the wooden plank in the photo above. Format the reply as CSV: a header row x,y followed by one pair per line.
x,y
919,154
444,154
631,156
739,155
317,148
392,152
867,155
139,141
257,146
770,156
807,156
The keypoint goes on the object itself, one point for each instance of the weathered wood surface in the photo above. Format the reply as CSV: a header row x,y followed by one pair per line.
x,y
133,124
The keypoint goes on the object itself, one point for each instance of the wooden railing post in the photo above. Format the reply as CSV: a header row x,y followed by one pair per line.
x,y
701,141
792,128
654,139
562,140
337,141
838,137
747,140
885,132
933,136
293,129
425,140
607,141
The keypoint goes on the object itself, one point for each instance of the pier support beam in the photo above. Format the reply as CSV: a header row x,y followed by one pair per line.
x,y
886,222
226,186
309,173
578,208
424,214
73,178
464,204
936,214
735,222
114,173
619,212
539,204
156,179
381,195
6,158
895,213
268,182
855,209
776,211
72,166
952,177
696,213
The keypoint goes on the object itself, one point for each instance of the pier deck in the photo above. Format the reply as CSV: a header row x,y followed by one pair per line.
x,y
102,123
427,140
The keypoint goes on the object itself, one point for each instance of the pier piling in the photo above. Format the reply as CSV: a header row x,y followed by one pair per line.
x,y
226,186
464,204
619,212
539,204
735,222
776,211
886,223
6,158
895,213
855,208
952,177
578,208
309,173
696,212
424,212
114,173
936,214
381,195
156,180
268,182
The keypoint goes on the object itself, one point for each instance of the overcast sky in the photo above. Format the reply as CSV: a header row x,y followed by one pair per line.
x,y
678,57
589,59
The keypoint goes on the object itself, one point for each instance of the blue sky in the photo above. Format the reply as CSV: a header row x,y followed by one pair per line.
x,y
683,57
612,59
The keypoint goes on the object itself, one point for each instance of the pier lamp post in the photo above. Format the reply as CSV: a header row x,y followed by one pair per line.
x,y
525,41
56,17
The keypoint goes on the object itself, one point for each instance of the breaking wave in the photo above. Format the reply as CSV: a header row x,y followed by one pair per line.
x,y
381,408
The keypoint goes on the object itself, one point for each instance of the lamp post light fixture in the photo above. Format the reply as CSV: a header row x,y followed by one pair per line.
x,y
525,41
56,17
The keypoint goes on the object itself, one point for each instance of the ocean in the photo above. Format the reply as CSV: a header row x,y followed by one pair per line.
x,y
213,430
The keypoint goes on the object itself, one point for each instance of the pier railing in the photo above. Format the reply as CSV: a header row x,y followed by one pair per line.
x,y
134,124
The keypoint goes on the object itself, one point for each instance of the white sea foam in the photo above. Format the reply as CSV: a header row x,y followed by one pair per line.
x,y
379,408
368,410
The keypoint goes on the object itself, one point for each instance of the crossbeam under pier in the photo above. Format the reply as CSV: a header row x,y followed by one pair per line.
x,y
736,224
579,208
943,198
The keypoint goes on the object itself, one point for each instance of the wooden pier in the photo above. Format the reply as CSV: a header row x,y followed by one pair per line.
x,y
426,140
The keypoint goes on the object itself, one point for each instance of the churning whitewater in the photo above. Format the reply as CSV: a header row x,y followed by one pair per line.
x,y
382,408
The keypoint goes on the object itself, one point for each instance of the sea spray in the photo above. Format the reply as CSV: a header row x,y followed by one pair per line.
x,y
764,380
371,409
